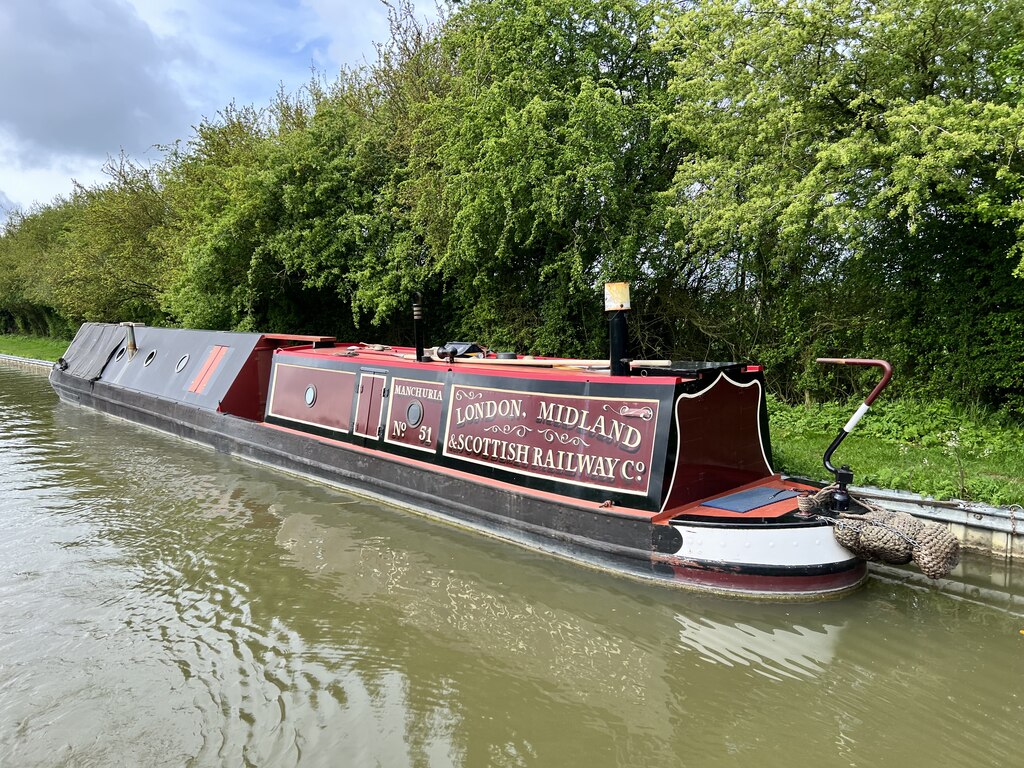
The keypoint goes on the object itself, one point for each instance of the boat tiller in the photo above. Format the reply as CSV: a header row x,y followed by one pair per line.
x,y
844,475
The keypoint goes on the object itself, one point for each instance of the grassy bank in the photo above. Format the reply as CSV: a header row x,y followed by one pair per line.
x,y
35,347
928,447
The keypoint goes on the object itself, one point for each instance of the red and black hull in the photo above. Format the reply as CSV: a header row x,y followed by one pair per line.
x,y
638,531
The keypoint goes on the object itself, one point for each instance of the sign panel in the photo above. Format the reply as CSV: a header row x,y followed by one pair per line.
x,y
414,413
598,442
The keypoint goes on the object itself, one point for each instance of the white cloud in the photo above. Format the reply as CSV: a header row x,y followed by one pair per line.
x,y
47,177
245,49
347,36
87,77
84,79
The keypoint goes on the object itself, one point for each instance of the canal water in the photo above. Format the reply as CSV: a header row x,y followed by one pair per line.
x,y
163,605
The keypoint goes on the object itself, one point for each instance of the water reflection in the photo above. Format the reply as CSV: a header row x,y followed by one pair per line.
x,y
774,652
164,605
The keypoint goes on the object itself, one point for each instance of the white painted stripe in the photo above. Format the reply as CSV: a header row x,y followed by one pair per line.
x,y
856,417
812,545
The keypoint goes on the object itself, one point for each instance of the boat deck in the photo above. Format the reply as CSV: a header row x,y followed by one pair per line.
x,y
770,498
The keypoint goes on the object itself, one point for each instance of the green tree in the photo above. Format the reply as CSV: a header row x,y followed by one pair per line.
x,y
286,217
105,266
318,207
27,245
535,173
90,256
213,227
393,99
848,157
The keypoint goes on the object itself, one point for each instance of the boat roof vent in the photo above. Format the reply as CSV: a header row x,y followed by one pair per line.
x,y
460,348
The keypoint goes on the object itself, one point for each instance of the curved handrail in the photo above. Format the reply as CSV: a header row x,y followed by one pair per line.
x,y
843,475
883,364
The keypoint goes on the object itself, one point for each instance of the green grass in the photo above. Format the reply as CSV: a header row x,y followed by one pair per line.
x,y
928,447
36,347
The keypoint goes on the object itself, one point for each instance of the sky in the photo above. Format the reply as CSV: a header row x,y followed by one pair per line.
x,y
82,80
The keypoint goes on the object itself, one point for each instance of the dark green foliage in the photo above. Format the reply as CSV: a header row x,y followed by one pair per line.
x,y
26,301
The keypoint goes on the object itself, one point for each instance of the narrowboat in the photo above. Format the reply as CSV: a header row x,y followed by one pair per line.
x,y
659,469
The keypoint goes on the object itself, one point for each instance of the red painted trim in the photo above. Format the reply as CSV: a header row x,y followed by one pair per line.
x,y
333,406
424,436
635,482
209,366
369,404
294,337
777,509
703,420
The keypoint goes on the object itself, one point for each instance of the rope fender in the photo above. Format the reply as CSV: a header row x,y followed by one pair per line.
x,y
883,536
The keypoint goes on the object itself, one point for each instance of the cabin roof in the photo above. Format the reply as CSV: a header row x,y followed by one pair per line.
x,y
520,366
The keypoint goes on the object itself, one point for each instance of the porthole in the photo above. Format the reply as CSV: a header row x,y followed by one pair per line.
x,y
414,414
119,355
181,364
310,396
150,357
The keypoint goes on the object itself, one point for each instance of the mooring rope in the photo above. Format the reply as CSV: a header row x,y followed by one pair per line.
x,y
881,535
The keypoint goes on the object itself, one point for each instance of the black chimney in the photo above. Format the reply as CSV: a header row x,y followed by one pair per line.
x,y
417,324
616,305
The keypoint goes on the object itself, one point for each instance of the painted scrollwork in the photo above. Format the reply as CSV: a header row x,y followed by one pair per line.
x,y
519,430
551,436
644,412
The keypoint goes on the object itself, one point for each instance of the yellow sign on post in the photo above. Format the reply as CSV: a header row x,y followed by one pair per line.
x,y
616,296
